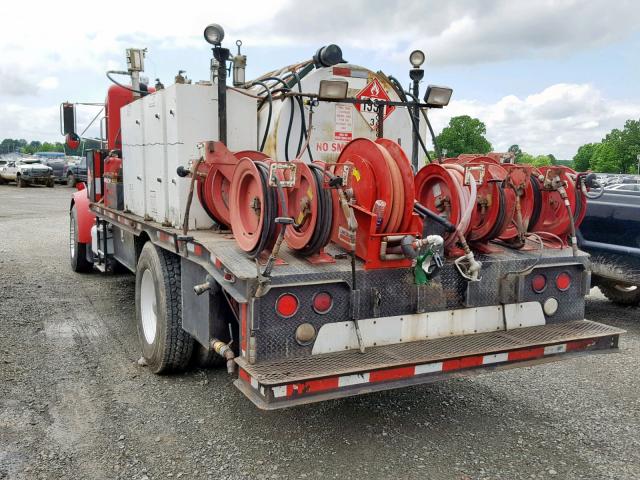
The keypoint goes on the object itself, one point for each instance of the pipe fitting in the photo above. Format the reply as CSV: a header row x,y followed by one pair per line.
x,y
224,350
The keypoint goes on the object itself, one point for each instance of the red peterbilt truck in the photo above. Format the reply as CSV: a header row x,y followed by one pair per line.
x,y
282,227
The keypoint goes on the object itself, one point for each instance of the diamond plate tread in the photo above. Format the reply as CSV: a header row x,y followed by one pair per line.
x,y
276,372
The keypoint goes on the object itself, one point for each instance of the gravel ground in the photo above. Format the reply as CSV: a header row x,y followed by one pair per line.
x,y
75,404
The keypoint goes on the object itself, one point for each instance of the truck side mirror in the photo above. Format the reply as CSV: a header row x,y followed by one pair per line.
x,y
67,118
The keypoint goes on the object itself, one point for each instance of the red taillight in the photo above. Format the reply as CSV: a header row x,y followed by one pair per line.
x,y
563,281
322,302
539,283
287,305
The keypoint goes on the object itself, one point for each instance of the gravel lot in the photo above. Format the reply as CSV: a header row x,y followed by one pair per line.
x,y
74,403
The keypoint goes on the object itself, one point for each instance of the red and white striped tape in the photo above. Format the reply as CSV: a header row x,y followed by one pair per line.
x,y
308,387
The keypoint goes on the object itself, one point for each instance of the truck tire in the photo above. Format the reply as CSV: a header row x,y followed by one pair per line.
x,y
20,183
50,183
166,347
71,180
77,250
627,295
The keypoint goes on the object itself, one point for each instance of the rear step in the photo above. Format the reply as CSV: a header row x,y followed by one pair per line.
x,y
287,382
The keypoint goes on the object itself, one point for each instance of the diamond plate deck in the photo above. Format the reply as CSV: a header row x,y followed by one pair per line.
x,y
290,370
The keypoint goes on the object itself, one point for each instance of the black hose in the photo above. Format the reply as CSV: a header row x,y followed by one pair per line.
x,y
270,100
324,219
275,79
537,203
270,199
498,225
402,94
433,137
303,129
286,142
141,92
425,212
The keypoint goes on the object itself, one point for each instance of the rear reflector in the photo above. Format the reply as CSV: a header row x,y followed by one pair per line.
x,y
287,305
539,283
563,281
322,302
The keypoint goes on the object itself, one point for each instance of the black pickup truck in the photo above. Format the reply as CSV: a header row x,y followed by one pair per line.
x,y
610,232
76,172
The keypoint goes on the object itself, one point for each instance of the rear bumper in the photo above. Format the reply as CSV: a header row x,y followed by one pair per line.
x,y
284,383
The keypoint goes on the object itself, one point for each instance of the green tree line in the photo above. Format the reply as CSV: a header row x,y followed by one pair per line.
x,y
617,152
465,134
9,145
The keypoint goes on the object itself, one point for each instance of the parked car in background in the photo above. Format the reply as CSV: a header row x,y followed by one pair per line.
x,y
76,171
624,188
27,171
610,232
55,160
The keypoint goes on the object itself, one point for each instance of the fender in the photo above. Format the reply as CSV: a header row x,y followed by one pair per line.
x,y
86,219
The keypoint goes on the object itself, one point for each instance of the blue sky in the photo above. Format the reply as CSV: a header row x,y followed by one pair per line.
x,y
548,75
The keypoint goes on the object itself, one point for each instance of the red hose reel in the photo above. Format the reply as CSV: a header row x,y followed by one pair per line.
x,y
471,193
550,213
239,190
375,173
510,199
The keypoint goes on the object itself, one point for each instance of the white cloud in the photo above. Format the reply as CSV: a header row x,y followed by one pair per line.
x,y
48,83
41,123
556,120
460,31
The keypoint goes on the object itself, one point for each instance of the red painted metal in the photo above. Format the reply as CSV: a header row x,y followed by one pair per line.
x,y
495,205
247,204
397,205
519,180
72,140
214,179
554,217
117,97
302,206
376,174
381,184
406,173
437,188
86,219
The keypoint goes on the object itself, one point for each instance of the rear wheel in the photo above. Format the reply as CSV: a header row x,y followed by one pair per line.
x,y
166,347
77,250
628,295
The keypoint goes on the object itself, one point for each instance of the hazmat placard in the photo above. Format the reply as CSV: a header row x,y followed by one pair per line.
x,y
375,91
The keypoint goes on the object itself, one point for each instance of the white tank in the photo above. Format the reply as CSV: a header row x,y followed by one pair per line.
x,y
334,124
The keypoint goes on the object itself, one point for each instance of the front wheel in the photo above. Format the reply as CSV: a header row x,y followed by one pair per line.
x,y
166,347
50,183
71,180
627,295
77,250
20,183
